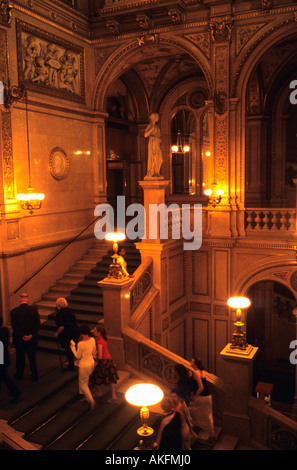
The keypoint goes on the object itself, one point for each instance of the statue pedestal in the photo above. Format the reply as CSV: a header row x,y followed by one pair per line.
x,y
153,193
116,303
239,388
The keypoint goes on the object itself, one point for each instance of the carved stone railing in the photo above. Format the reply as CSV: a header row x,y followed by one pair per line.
x,y
272,221
143,282
271,429
146,358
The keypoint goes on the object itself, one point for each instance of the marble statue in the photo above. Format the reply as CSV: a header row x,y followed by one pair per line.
x,y
155,158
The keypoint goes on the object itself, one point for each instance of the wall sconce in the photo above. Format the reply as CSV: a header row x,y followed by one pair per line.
x,y
214,195
30,201
144,395
239,335
116,270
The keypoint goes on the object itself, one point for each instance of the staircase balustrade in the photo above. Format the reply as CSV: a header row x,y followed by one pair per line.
x,y
142,284
273,221
270,428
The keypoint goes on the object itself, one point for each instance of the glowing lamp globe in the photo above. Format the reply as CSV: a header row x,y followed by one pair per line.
x,y
144,395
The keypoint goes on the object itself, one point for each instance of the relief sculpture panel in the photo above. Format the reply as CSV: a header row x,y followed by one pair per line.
x,y
50,65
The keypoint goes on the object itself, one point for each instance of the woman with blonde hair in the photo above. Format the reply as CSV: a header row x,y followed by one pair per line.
x,y
67,329
105,372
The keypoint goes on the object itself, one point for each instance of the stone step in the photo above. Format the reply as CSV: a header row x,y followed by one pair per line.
x,y
226,442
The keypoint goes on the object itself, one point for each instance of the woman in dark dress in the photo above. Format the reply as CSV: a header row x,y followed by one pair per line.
x,y
67,329
186,384
169,435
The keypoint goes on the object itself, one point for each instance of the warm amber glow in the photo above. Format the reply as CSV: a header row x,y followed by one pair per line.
x,y
115,237
144,395
208,154
208,192
30,201
186,148
220,192
238,302
174,148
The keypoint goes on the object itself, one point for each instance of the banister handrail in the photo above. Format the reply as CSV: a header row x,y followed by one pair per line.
x,y
55,256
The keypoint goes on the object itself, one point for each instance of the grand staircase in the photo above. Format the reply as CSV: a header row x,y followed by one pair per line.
x,y
50,415
80,287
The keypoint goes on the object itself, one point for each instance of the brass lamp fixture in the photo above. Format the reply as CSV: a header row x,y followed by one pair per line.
x,y
144,395
239,336
179,147
115,269
214,195
30,201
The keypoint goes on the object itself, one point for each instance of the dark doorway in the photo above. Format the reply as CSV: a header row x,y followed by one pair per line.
x,y
271,327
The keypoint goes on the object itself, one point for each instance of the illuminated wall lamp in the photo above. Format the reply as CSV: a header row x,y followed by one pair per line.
x,y
30,201
214,195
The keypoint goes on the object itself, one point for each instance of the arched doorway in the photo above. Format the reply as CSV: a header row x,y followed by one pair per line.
x,y
271,129
271,326
135,82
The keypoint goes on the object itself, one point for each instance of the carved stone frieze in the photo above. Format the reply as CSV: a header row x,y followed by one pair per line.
x,y
50,65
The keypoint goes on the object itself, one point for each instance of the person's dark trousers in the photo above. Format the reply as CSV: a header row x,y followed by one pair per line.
x,y
6,380
23,348
69,354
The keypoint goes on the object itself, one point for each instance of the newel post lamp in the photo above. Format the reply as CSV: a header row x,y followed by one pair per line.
x,y
144,395
239,335
115,269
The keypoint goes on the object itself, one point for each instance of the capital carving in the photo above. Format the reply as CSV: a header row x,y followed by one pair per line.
x,y
114,26
143,21
5,12
220,29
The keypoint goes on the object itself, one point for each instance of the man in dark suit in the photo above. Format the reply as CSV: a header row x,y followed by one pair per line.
x,y
25,322
5,362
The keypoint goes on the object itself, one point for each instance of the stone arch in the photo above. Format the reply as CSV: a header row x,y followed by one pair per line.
x,y
256,48
125,56
285,273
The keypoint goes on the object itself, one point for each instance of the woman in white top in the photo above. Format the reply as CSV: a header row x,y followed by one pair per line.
x,y
85,353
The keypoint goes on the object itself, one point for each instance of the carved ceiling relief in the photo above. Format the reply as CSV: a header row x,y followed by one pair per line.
x,y
244,34
101,55
202,41
272,61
